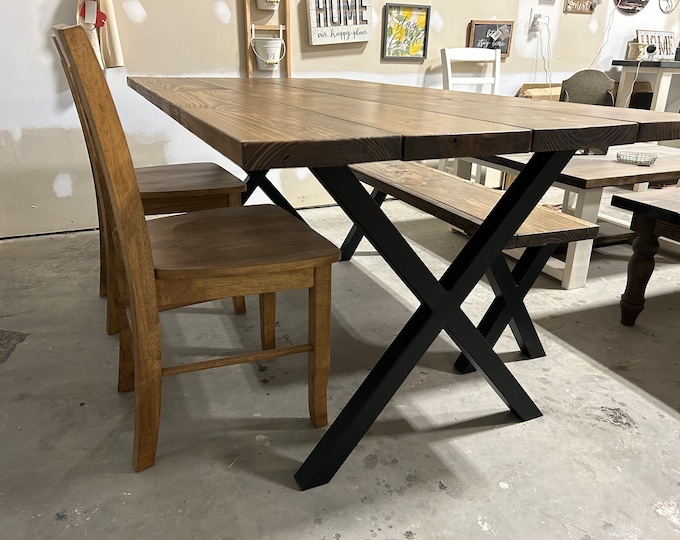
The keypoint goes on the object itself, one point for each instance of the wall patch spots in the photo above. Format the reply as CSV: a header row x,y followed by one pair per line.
x,y
62,185
222,11
134,10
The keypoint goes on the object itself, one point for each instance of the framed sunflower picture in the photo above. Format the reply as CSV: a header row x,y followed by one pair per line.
x,y
405,32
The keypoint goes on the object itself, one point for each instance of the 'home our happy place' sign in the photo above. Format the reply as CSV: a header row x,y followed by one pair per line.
x,y
340,21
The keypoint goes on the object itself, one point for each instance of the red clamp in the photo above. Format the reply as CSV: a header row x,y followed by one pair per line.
x,y
101,16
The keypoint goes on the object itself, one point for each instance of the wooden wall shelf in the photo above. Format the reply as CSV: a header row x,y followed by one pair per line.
x,y
267,30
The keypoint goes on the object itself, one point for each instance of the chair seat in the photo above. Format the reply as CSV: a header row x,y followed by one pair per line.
x,y
235,241
176,180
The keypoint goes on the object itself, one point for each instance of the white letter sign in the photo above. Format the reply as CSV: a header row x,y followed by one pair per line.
x,y
340,21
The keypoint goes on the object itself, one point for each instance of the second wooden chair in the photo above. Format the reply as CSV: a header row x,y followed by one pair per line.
x,y
191,258
164,189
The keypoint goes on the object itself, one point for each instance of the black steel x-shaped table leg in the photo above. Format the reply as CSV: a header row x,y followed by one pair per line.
x,y
510,288
258,179
354,236
439,310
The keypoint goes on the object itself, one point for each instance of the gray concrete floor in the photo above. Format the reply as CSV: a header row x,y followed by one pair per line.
x,y
445,460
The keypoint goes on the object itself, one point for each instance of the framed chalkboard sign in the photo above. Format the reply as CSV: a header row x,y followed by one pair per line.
x,y
491,35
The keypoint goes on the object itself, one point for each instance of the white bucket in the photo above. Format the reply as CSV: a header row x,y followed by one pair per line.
x,y
268,4
269,52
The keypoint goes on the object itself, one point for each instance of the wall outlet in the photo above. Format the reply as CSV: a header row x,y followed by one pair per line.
x,y
537,18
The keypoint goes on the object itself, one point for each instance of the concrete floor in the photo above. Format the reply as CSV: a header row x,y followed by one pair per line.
x,y
445,460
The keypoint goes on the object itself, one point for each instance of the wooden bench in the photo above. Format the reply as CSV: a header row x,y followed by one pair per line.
x,y
584,181
656,213
465,205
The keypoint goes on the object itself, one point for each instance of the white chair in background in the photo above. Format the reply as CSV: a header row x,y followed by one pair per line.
x,y
489,83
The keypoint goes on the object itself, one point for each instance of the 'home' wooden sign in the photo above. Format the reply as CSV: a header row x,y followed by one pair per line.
x,y
340,21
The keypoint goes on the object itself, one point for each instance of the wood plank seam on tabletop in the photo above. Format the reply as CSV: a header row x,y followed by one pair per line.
x,y
464,134
450,133
653,125
552,129
464,121
438,100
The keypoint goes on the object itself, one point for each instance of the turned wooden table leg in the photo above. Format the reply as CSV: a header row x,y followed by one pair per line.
x,y
640,268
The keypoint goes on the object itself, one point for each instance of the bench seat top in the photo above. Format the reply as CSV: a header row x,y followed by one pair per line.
x,y
465,204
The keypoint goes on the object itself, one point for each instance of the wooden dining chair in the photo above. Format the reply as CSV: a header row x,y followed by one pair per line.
x,y
164,189
186,259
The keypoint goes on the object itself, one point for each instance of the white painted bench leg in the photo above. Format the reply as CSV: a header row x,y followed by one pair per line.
x,y
587,207
569,200
457,166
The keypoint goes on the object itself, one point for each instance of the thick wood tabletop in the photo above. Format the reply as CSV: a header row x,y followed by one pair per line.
x,y
274,123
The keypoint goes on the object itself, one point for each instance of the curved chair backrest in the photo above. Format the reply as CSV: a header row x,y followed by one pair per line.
x,y
589,86
108,146
472,55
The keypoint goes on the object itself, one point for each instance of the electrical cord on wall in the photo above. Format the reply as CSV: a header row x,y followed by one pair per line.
x,y
546,62
607,31
651,49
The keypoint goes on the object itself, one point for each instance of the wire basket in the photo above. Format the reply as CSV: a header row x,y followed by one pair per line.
x,y
642,159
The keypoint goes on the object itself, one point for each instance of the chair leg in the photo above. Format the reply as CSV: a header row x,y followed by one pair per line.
x,y
116,289
239,304
268,320
319,358
126,356
103,274
112,323
147,354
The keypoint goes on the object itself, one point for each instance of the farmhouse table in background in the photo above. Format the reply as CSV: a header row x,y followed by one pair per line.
x,y
662,70
583,181
327,124
656,213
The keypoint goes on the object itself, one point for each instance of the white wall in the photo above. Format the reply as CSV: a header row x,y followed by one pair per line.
x,y
45,183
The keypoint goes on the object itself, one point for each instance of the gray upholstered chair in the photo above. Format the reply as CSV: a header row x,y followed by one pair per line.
x,y
590,86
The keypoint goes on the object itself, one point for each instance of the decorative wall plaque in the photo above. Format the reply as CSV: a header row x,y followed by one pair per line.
x,y
664,41
340,21
631,7
579,6
405,31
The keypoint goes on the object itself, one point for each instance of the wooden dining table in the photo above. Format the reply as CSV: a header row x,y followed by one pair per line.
x,y
328,124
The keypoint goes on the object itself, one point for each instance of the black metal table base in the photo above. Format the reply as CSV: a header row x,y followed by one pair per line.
x,y
440,307
508,308
258,179
510,289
